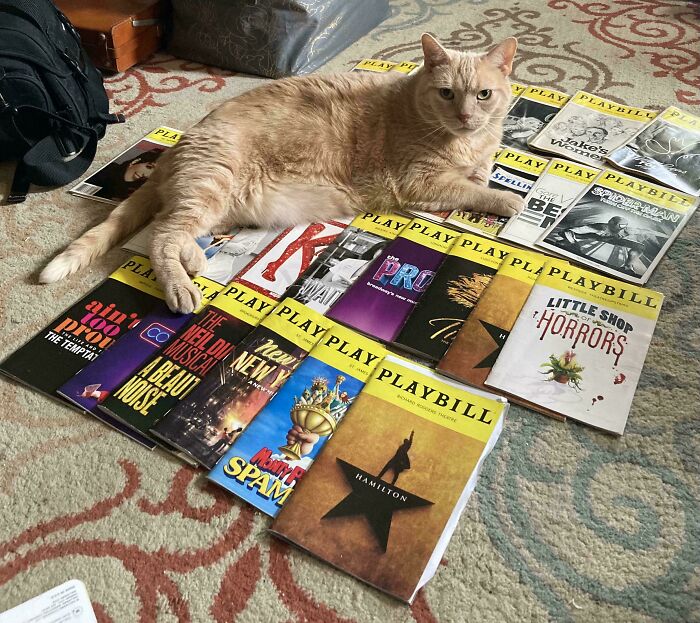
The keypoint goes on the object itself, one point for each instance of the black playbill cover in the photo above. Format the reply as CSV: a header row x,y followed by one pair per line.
x,y
450,298
76,337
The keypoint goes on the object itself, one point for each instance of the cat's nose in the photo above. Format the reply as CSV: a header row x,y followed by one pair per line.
x,y
463,117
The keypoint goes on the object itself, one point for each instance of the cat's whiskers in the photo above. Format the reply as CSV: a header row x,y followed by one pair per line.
x,y
429,134
425,123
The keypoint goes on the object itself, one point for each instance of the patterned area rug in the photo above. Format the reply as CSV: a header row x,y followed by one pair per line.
x,y
567,524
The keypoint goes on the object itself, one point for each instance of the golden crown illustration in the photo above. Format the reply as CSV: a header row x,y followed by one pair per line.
x,y
317,411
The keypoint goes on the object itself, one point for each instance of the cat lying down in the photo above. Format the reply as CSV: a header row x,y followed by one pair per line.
x,y
315,148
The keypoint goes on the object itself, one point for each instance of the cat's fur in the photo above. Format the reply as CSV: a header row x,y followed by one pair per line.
x,y
314,148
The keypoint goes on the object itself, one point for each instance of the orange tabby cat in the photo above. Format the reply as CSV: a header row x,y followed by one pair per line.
x,y
314,148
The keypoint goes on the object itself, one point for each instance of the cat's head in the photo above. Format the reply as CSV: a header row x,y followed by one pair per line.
x,y
465,92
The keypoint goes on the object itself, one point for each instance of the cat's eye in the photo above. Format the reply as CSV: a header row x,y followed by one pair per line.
x,y
484,94
447,94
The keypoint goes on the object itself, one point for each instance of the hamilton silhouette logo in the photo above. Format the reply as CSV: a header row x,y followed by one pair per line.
x,y
375,498
499,336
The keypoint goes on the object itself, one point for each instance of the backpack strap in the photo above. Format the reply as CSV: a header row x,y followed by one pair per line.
x,y
20,185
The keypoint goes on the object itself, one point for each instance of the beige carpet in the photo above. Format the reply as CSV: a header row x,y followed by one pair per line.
x,y
567,524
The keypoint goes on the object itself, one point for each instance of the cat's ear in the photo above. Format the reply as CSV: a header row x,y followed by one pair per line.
x,y
502,55
433,53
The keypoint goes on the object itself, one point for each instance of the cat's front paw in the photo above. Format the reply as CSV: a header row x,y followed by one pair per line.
x,y
506,203
193,259
183,298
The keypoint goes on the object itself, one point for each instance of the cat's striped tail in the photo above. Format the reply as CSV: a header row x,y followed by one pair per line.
x,y
123,220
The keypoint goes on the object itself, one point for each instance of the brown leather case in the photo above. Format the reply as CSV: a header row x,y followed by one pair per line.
x,y
116,34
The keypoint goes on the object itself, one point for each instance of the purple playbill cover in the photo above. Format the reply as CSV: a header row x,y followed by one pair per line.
x,y
380,301
96,381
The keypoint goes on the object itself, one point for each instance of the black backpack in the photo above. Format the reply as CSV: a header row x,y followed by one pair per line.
x,y
53,105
